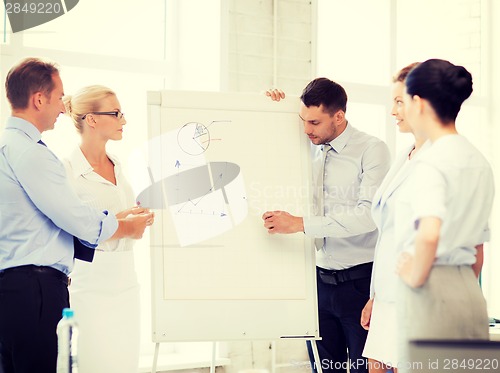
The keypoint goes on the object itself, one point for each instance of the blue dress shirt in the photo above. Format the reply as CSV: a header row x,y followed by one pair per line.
x,y
39,211
353,171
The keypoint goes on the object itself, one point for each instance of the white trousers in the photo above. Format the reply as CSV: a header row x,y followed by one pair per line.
x,y
105,297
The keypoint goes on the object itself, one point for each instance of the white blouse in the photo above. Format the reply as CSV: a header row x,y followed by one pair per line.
x,y
384,278
451,181
97,192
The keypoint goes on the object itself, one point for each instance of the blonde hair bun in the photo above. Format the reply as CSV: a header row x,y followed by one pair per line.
x,y
85,100
67,104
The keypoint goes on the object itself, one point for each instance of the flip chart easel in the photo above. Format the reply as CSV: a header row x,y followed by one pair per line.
x,y
215,162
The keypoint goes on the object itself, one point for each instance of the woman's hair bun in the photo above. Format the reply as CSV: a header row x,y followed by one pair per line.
x,y
458,81
67,104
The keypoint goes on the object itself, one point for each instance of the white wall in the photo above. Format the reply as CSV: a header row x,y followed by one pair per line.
x,y
267,51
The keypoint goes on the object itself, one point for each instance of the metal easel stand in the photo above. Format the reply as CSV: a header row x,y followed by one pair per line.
x,y
317,361
214,352
314,346
155,358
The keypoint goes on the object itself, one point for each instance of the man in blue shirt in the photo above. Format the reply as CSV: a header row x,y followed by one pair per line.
x,y
348,166
39,217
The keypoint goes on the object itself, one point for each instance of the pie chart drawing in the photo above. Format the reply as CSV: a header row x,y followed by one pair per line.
x,y
204,197
204,201
193,138
188,188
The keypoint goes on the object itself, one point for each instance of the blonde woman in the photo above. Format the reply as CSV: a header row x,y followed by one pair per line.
x,y
105,292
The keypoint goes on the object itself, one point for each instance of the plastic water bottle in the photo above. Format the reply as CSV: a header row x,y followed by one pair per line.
x,y
67,343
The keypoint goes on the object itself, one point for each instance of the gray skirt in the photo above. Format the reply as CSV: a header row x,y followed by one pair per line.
x,y
450,305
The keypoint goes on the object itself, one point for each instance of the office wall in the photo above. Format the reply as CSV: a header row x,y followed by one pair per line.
x,y
269,45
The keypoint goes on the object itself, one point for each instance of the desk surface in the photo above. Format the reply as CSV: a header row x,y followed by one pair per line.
x,y
495,332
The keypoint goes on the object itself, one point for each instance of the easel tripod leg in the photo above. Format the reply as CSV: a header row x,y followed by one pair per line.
x,y
212,365
317,361
155,358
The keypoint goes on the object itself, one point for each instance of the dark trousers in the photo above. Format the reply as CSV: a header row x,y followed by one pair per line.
x,y
31,303
343,338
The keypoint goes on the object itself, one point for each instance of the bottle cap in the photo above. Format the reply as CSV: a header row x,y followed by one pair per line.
x,y
67,312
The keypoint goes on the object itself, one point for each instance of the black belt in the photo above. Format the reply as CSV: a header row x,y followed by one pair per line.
x,y
335,277
44,270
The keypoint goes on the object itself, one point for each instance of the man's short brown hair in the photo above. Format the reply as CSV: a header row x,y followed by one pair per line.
x,y
29,76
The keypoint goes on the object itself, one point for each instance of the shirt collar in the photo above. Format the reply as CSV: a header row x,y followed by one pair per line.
x,y
81,166
339,143
24,126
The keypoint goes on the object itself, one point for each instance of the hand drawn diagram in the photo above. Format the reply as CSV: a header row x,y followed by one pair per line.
x,y
205,198
193,138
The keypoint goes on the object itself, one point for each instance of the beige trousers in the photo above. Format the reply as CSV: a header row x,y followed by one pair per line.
x,y
450,305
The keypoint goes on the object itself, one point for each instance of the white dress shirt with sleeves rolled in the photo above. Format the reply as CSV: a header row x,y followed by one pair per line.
x,y
39,210
354,169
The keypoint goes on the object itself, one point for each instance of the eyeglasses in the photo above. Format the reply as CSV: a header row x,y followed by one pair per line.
x,y
118,114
